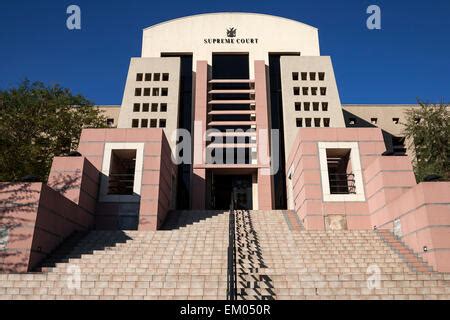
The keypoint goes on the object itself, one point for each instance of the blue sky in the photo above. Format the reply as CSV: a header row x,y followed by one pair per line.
x,y
408,59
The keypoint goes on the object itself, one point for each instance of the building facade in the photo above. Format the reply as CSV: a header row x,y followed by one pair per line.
x,y
237,108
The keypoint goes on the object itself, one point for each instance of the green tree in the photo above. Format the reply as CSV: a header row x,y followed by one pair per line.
x,y
37,123
428,130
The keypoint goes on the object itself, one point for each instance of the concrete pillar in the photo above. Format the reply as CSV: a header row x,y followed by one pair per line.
x,y
198,181
265,185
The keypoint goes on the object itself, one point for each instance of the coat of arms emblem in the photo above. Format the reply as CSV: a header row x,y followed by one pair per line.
x,y
231,32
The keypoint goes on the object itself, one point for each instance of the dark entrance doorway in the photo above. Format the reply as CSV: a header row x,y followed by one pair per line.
x,y
223,186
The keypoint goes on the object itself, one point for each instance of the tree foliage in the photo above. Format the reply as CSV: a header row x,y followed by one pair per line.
x,y
428,130
37,123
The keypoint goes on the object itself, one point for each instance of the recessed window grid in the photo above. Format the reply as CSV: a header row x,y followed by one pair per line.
x,y
146,92
145,107
138,92
135,123
299,122
298,106
296,91
144,123
136,107
148,77
139,77
295,76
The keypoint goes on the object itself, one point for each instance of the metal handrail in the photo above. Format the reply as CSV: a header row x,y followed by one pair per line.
x,y
232,272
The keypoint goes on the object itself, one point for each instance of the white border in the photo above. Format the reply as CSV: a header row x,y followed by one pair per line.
x,y
109,147
356,169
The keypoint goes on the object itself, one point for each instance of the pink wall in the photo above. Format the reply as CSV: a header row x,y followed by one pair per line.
x,y
158,168
39,219
424,214
306,181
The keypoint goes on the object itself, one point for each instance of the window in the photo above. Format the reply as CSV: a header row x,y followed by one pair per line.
x,y
145,107
162,123
326,122
152,123
138,92
139,77
314,91
308,122
295,76
164,92
136,107
147,92
306,106
148,77
315,106
298,106
135,123
398,146
165,77
323,91
154,107
304,76
317,122
156,76
324,106
373,120
312,76
163,107
321,76
396,120
296,91
305,91
340,175
110,122
121,172
299,122
144,123
155,92
352,121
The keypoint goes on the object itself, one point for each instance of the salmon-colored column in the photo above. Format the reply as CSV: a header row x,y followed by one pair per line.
x,y
198,184
262,127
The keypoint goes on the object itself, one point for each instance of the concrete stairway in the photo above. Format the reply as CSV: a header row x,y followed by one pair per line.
x,y
327,264
275,259
189,262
